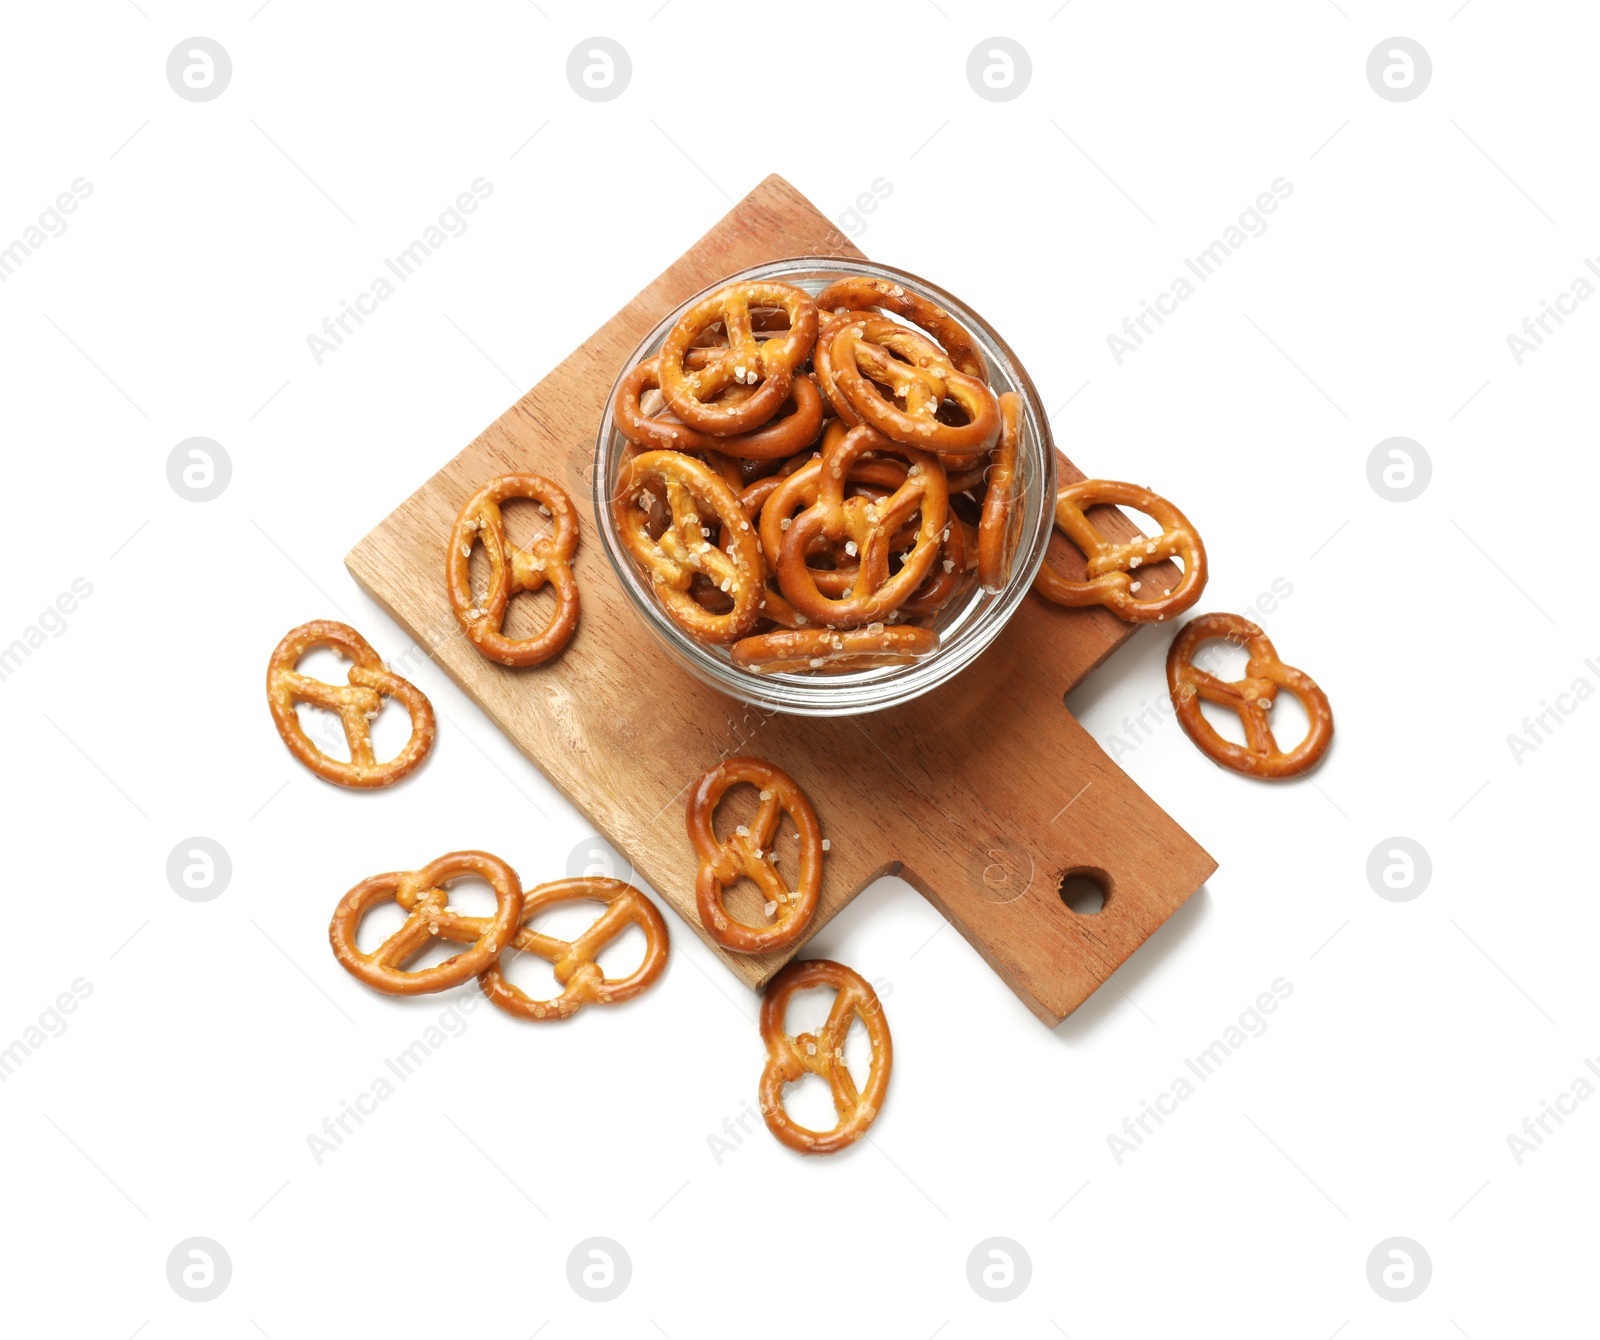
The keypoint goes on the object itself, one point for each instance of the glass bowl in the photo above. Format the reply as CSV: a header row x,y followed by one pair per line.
x,y
966,626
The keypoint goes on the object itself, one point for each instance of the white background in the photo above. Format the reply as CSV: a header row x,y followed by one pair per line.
x,y
219,1035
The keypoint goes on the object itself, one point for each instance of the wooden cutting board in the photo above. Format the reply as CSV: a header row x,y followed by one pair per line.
x,y
981,794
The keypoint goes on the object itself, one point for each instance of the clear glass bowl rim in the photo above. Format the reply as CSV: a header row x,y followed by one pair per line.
x,y
859,691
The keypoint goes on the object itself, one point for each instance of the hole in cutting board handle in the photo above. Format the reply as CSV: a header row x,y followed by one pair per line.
x,y
1084,889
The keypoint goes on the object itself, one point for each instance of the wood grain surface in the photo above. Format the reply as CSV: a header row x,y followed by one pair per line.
x,y
981,794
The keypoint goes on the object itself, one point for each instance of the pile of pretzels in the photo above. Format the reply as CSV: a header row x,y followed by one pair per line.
x,y
815,479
